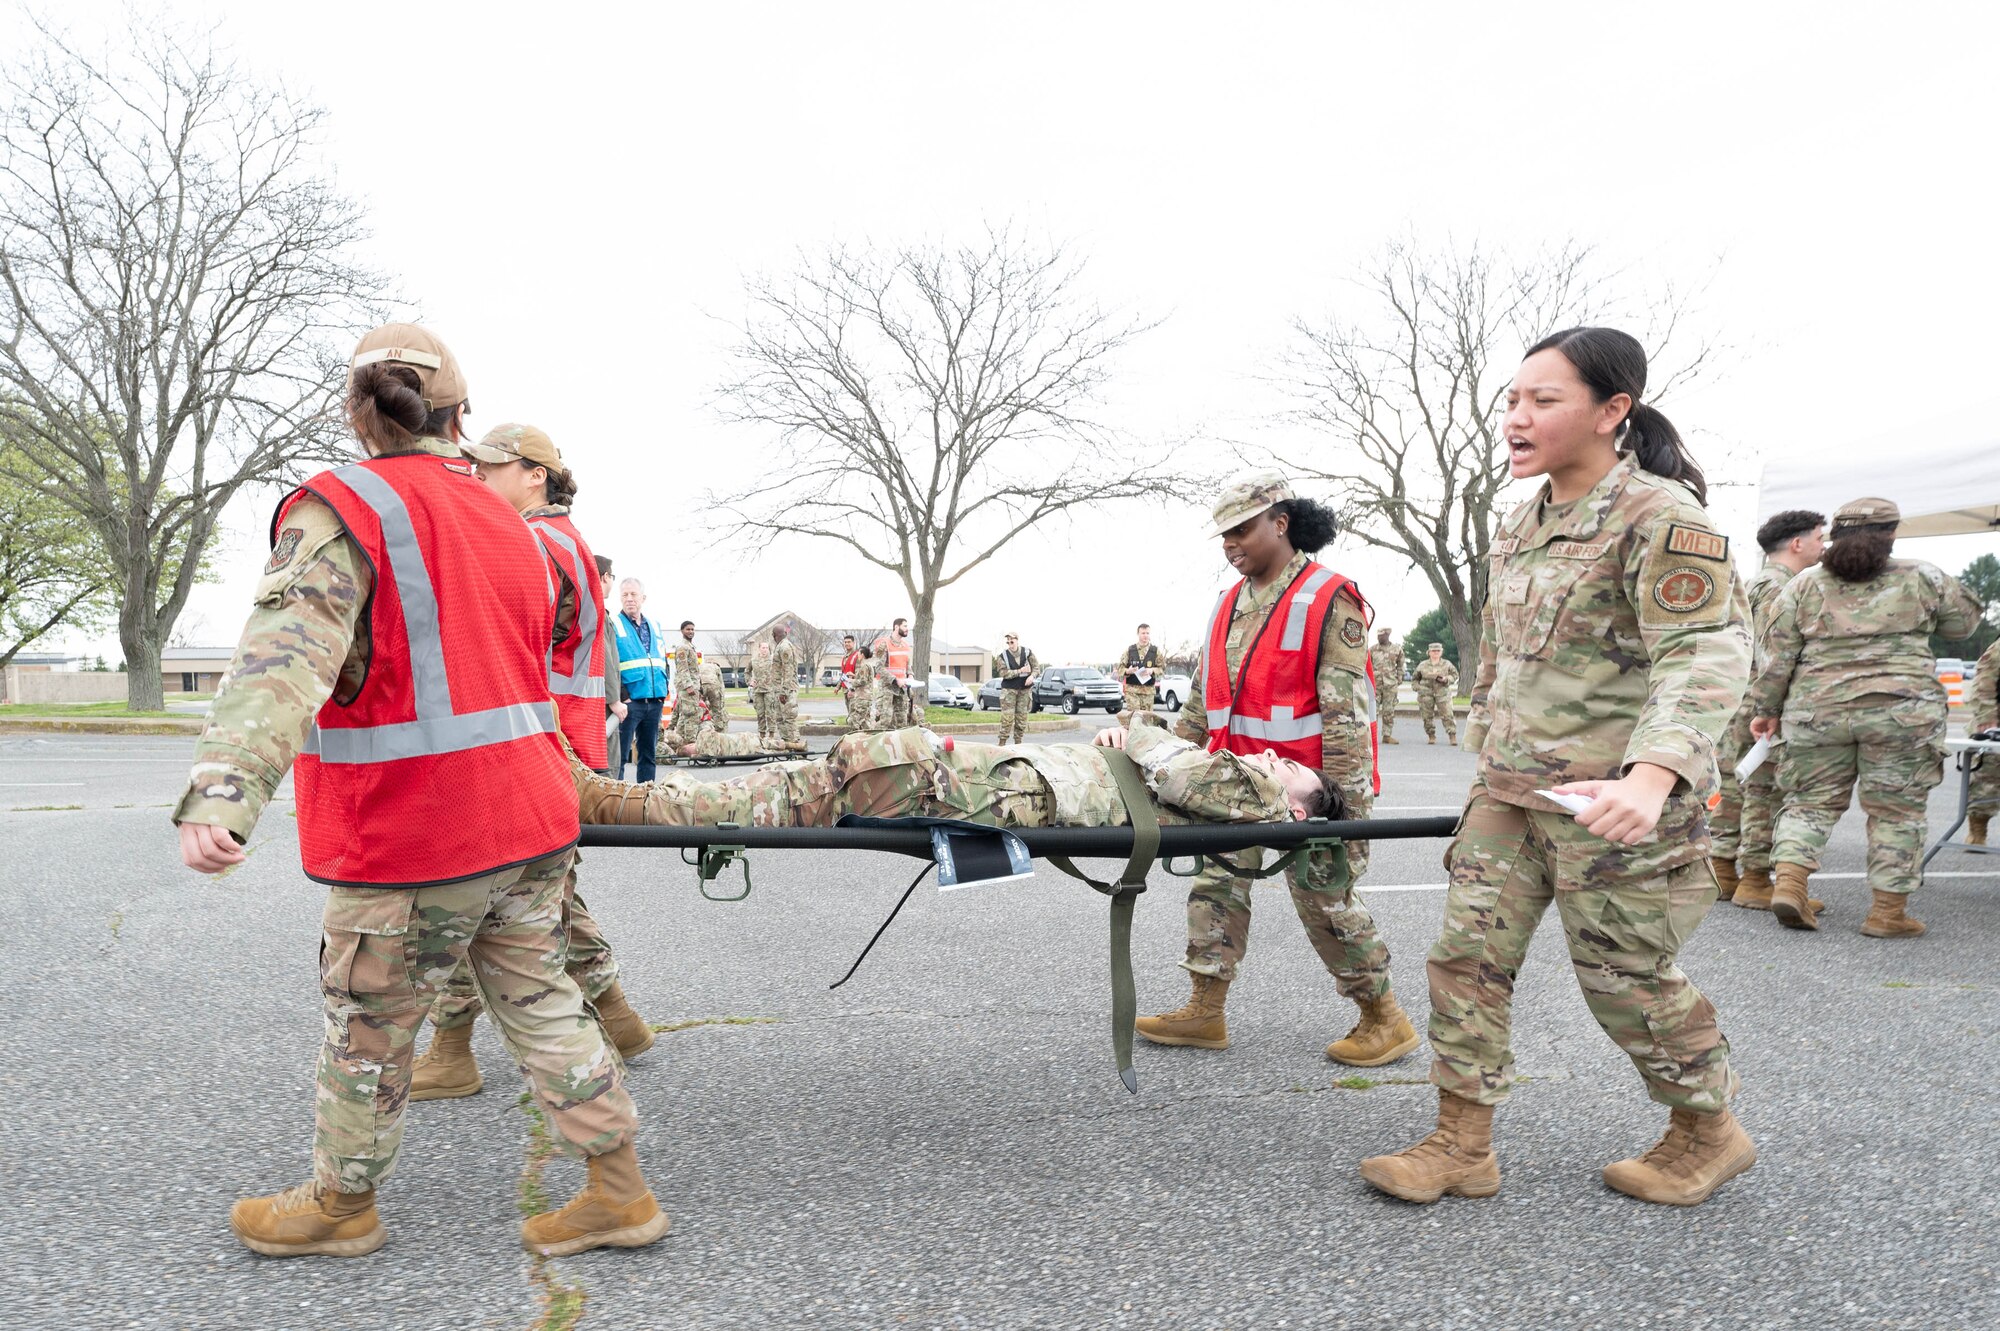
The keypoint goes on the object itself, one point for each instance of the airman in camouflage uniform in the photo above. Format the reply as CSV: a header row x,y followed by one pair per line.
x,y
713,698
785,691
1015,667
686,719
1985,705
861,694
762,679
1437,684
1614,635
1849,667
1387,659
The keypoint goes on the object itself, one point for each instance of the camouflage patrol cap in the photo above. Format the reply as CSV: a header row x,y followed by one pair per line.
x,y
1383,634
1245,498
1435,647
515,443
1866,513
439,379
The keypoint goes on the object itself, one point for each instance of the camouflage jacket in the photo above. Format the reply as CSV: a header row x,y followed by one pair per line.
x,y
1345,704
1764,591
1832,642
1188,782
686,661
1387,658
785,667
1135,657
1985,699
862,680
1021,672
711,689
762,676
1436,677
1615,632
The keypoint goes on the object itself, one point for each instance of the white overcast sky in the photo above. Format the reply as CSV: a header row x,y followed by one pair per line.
x,y
572,197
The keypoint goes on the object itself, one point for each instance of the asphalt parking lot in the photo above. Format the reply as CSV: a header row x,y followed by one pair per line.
x,y
943,1142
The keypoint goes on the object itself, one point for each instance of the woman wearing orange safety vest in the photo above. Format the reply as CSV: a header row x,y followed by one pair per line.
x,y
1286,671
521,464
398,663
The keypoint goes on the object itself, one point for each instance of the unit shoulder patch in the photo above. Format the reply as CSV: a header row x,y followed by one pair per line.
x,y
1694,541
1682,591
1352,631
282,550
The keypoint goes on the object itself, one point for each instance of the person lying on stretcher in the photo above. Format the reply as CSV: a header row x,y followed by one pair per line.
x,y
712,743
902,773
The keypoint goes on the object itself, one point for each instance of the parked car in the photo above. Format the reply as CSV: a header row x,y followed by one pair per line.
x,y
949,691
829,677
1074,688
735,677
989,695
1171,691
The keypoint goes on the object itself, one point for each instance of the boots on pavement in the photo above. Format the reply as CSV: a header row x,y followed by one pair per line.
x,y
1457,1158
1383,1035
614,1210
1789,902
1725,878
1753,890
1699,1154
306,1221
622,1026
1887,917
1975,828
447,1070
1197,1023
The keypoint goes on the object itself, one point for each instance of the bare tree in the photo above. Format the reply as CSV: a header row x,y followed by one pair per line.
x,y
1401,387
176,299
931,405
815,644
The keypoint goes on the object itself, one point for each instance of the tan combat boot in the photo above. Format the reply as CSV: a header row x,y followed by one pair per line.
x,y
447,1070
1886,918
1725,878
1699,1154
1789,902
1383,1035
622,1026
1197,1023
306,1221
1457,1158
1753,890
1975,828
614,1210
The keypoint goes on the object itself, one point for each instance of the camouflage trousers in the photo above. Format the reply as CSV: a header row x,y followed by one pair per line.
x,y
1985,794
1742,825
860,709
1434,706
1015,705
1626,913
1892,749
1336,921
760,702
383,955
1138,698
588,960
685,723
892,705
784,714
1386,702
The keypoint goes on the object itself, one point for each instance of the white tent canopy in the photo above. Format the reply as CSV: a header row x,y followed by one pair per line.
x,y
1943,474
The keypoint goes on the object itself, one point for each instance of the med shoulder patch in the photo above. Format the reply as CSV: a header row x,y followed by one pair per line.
x,y
1696,542
1682,591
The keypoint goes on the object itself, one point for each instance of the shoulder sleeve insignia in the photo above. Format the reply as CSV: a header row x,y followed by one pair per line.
x,y
1683,591
1352,631
284,548
1694,541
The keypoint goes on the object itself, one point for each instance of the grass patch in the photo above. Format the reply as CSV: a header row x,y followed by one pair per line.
x,y
77,709
1357,1083
1897,984
690,1023
45,808
562,1301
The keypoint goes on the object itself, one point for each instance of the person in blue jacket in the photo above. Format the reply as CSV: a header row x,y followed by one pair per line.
x,y
642,673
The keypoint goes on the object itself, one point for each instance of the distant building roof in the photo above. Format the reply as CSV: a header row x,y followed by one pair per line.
x,y
197,654
46,658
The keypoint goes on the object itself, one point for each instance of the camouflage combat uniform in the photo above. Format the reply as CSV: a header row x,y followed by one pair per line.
x,y
762,678
714,700
1742,824
785,693
1336,921
1984,705
1437,684
895,704
1614,634
385,952
1139,697
861,697
1849,670
1387,658
1015,704
686,720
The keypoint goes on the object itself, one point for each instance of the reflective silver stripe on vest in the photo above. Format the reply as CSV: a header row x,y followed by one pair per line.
x,y
1302,603
1218,717
577,683
1281,728
436,729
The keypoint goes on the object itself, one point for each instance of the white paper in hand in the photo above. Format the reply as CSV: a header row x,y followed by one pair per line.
x,y
1753,759
1574,803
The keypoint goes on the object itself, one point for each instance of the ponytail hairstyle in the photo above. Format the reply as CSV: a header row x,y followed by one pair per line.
x,y
1611,362
385,405
1859,551
561,485
1313,525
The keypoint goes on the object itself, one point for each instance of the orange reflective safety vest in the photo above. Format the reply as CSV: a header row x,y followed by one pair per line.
x,y
1273,703
445,764
895,657
576,666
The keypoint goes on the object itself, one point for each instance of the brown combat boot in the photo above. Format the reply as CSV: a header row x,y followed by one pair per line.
x,y
1699,1154
1725,878
447,1070
1789,902
1457,1158
1886,918
306,1222
1383,1035
1753,890
622,1026
614,1210
1197,1023
1975,828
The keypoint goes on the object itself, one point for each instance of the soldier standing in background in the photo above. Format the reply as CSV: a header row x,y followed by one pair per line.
x,y
1741,824
1437,684
1985,705
761,680
1849,666
894,673
1387,658
785,691
1016,668
614,690
686,719
1142,675
860,683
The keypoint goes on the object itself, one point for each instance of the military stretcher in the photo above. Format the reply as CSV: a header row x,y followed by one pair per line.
x,y
941,843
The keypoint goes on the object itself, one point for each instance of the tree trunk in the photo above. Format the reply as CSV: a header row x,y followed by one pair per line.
x,y
1465,629
922,612
143,691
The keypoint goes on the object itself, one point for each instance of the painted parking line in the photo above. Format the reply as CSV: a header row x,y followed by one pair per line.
x,y
1366,887
35,785
1415,808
